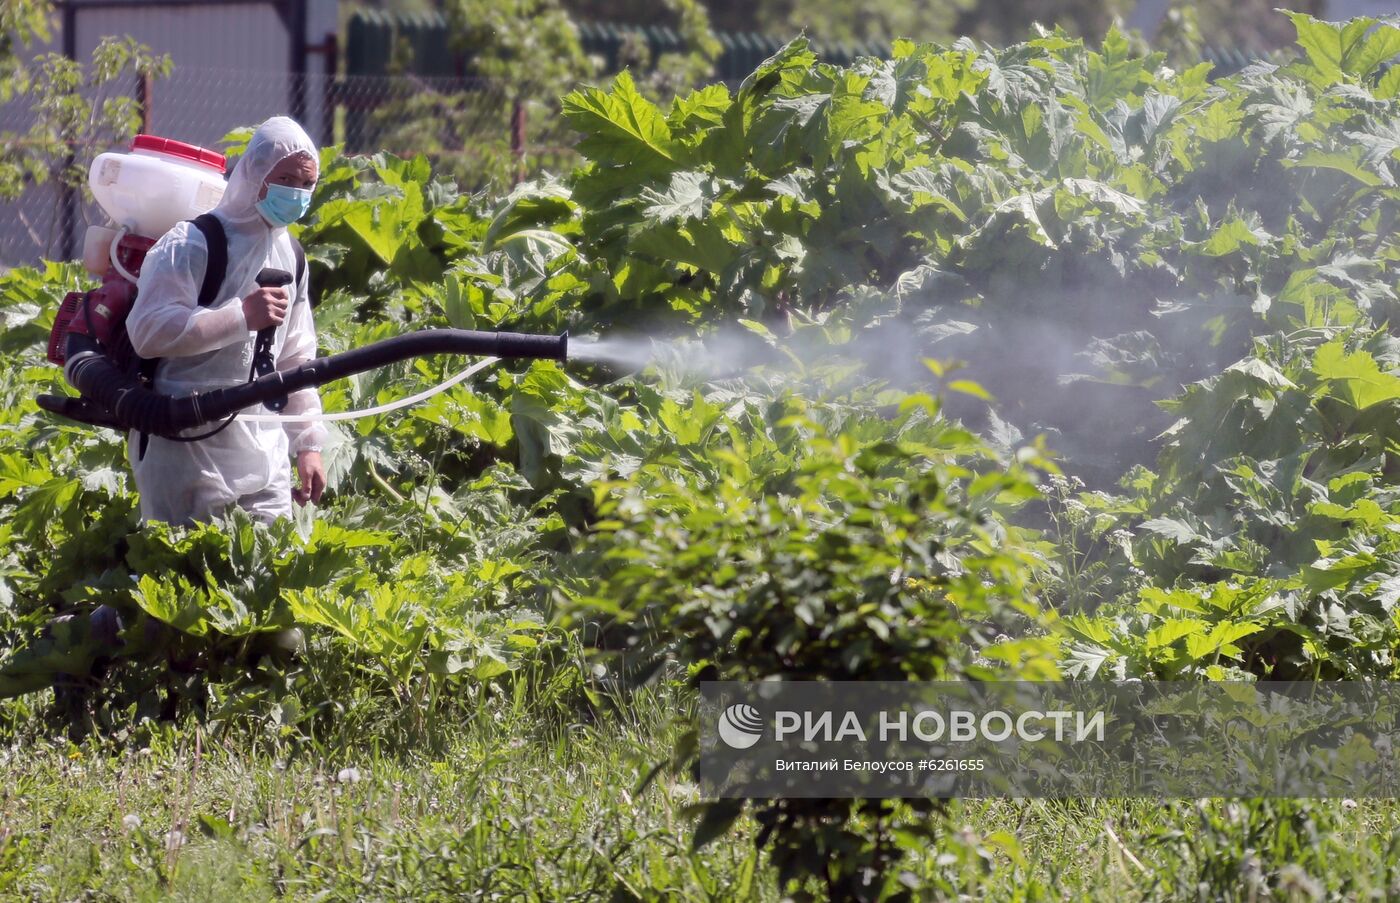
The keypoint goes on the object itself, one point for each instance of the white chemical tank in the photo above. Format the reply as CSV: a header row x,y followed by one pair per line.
x,y
158,184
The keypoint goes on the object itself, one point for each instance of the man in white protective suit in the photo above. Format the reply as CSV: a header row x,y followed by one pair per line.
x,y
201,348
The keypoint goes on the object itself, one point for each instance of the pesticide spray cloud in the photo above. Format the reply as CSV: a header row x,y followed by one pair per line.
x,y
724,353
622,352
1087,384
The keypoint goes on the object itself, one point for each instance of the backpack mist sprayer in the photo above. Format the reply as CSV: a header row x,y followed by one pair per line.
x,y
146,192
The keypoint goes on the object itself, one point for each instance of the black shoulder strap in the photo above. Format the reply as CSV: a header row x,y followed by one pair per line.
x,y
214,270
217,266
300,253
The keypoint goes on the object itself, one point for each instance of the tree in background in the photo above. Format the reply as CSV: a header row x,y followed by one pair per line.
x,y
534,44
1251,24
527,44
520,53
22,22
74,108
673,73
524,55
842,21
1001,22
825,20
1245,23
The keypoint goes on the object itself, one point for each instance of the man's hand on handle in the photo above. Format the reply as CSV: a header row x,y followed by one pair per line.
x,y
312,477
266,306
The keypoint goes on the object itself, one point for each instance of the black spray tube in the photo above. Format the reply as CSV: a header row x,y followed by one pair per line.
x,y
222,402
115,399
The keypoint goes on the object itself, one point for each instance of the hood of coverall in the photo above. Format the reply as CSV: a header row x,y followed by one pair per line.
x,y
273,141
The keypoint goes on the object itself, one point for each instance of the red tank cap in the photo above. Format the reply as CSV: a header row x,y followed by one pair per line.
x,y
203,156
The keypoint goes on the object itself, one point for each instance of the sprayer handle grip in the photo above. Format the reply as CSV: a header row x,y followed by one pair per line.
x,y
269,277
263,365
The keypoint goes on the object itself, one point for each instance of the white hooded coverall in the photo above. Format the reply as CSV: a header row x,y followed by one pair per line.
x,y
202,348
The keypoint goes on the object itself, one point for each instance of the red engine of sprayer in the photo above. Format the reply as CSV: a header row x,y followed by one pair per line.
x,y
101,312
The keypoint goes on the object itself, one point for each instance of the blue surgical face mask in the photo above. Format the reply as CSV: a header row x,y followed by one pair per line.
x,y
284,205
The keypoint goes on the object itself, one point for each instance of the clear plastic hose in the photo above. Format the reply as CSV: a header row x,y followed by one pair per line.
x,y
116,261
378,409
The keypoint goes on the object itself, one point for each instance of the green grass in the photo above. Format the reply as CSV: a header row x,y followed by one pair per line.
x,y
505,811
512,805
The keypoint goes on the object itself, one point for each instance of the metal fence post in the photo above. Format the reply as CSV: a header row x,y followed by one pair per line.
x,y
68,213
517,138
145,101
332,74
329,49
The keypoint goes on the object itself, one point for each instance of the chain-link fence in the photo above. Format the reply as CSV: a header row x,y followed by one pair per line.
x,y
481,132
